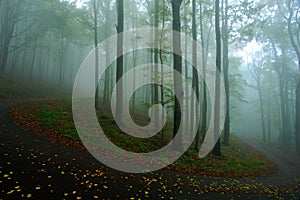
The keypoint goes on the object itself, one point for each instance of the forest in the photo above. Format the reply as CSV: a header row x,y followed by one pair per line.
x,y
213,80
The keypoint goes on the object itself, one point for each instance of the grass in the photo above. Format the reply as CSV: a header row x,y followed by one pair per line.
x,y
56,118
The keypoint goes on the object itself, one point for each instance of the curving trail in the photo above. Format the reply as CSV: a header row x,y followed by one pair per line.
x,y
287,165
33,167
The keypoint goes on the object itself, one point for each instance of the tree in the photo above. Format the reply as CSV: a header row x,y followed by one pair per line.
x,y
217,148
195,84
156,54
225,36
257,72
119,74
108,72
178,67
294,34
289,11
9,16
205,46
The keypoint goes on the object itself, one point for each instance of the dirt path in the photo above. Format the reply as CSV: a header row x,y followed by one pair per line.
x,y
31,166
287,164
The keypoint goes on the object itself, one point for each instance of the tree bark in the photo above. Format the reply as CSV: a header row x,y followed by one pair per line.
x,y
217,148
119,73
195,84
95,8
178,67
297,128
106,94
156,62
226,70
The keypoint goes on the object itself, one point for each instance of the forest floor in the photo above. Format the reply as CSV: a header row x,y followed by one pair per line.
x,y
36,167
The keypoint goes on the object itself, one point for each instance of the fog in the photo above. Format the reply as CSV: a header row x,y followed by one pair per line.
x,y
45,43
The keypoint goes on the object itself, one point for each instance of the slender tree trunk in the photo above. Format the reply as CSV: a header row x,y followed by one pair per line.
x,y
285,132
262,113
217,148
33,60
134,57
162,71
297,127
192,100
187,101
106,94
204,98
95,8
119,73
24,64
195,84
269,123
156,116
178,67
226,70
61,60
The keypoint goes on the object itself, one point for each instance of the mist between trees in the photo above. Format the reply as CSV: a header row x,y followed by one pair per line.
x,y
255,44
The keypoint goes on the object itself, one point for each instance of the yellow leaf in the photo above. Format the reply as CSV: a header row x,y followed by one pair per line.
x,y
10,192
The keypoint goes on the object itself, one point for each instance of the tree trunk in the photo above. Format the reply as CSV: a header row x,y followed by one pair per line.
x,y
119,73
226,70
297,128
162,71
95,8
262,113
33,60
178,67
204,98
106,94
8,23
188,120
195,84
217,148
156,116
269,123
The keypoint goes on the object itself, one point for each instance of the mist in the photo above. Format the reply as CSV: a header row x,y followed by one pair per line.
x,y
205,76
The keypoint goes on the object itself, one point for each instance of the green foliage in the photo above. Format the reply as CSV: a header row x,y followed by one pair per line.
x,y
57,118
237,162
46,116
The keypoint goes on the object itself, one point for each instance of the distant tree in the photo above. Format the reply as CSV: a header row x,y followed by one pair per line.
x,y
294,34
107,85
205,43
256,70
10,13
